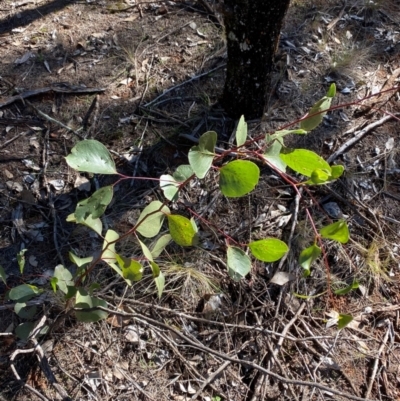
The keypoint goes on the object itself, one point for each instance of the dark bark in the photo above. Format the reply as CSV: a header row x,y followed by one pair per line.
x,y
252,32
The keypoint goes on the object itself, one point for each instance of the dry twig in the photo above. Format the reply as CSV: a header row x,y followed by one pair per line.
x,y
201,347
376,361
357,137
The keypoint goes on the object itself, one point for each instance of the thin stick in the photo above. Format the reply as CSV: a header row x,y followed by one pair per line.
x,y
376,361
351,142
52,120
184,83
211,378
3,145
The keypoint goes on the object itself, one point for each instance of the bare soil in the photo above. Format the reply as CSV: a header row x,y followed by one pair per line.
x,y
145,79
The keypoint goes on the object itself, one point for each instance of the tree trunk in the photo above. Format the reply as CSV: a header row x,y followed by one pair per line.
x,y
252,32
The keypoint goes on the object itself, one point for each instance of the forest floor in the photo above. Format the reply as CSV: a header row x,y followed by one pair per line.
x,y
145,79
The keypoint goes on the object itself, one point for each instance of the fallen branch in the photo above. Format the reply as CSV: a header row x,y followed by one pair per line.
x,y
57,88
351,142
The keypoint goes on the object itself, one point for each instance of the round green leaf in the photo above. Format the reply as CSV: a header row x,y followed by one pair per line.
x,y
160,245
23,292
132,270
344,320
308,256
85,301
268,250
95,205
183,173
151,219
304,161
318,177
169,186
238,178
91,156
23,311
64,278
272,155
182,230
336,171
95,224
323,104
239,264
338,231
202,155
24,330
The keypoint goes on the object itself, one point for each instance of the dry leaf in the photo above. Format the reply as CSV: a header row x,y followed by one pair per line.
x,y
281,278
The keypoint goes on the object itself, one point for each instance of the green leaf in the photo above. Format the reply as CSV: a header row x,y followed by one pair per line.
x,y
24,330
24,311
181,230
146,251
346,290
323,104
95,224
169,186
202,155
95,206
53,283
338,231
268,250
132,270
80,262
159,278
301,296
304,161
238,178
241,132
239,264
85,301
183,173
23,292
21,259
308,256
108,254
194,225
170,183
64,278
151,219
91,156
272,155
344,320
93,287
3,275
331,91
336,171
160,245
319,177
279,135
